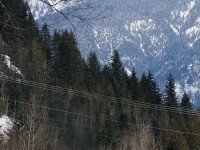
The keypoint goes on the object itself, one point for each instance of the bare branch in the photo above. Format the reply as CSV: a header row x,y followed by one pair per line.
x,y
54,8
82,11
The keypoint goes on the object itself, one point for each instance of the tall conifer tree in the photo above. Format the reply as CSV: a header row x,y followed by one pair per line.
x,y
153,90
170,98
185,102
45,41
70,62
134,86
93,74
118,75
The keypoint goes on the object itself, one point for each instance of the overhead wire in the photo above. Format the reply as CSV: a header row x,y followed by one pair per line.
x,y
99,128
96,96
100,97
111,120
92,132
40,84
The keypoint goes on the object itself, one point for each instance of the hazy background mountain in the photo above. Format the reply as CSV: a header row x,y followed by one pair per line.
x,y
158,35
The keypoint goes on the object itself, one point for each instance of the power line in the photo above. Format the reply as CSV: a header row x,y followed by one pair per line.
x,y
129,132
111,120
108,119
91,132
40,85
97,127
100,97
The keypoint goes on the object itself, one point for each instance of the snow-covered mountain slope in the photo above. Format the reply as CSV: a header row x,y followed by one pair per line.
x,y
163,36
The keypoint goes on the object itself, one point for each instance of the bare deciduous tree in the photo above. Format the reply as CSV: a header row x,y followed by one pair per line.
x,y
141,139
34,132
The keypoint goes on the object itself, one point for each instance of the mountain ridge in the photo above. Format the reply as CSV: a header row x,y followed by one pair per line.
x,y
161,36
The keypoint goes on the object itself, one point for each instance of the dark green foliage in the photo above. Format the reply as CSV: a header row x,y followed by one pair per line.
x,y
107,88
150,90
116,65
144,85
119,76
31,30
134,86
170,99
55,46
154,92
45,42
17,23
88,118
186,105
93,73
70,63
185,102
119,80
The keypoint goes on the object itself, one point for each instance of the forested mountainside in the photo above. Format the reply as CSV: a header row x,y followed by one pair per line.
x,y
145,33
59,100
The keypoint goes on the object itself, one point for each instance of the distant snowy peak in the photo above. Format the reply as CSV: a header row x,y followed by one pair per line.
x,y
158,35
43,7
177,21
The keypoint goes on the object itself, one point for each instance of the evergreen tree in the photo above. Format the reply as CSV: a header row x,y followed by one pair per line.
x,y
56,43
63,61
185,102
70,64
144,87
170,99
150,89
38,62
107,86
31,31
119,80
118,76
45,41
17,23
134,86
154,92
93,73
116,65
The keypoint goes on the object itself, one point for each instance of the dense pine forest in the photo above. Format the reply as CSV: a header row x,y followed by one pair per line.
x,y
60,101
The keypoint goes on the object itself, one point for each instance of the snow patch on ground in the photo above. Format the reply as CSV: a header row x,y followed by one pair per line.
x,y
6,60
6,126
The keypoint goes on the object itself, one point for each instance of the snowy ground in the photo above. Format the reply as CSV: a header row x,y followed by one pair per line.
x,y
6,126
